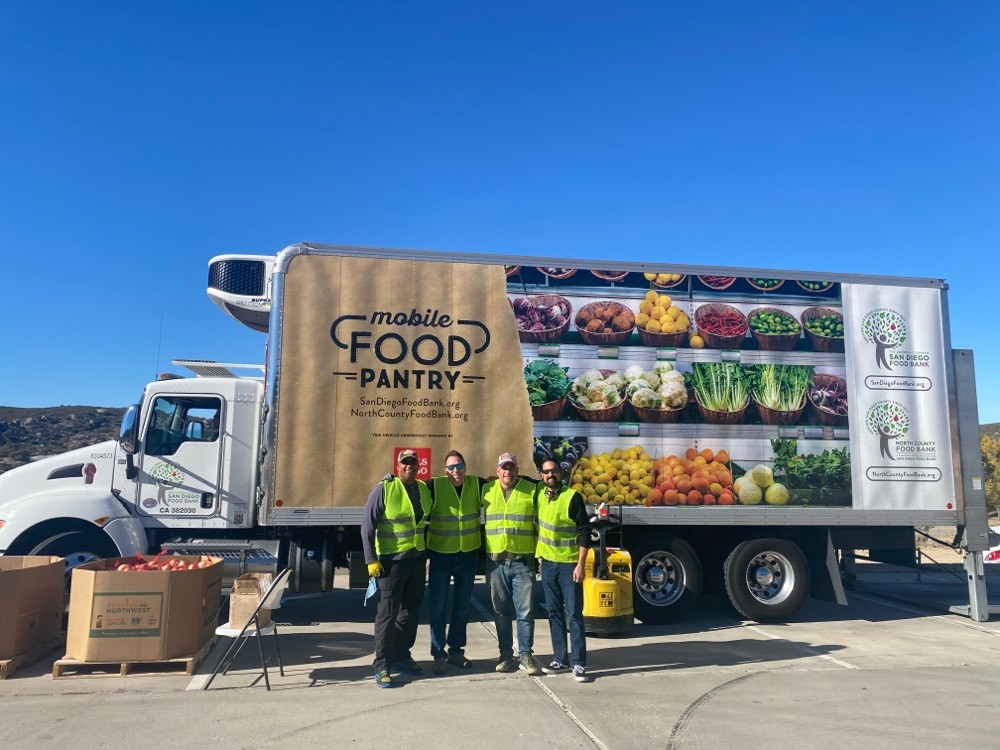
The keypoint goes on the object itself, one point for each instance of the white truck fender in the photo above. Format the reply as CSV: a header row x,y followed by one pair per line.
x,y
92,505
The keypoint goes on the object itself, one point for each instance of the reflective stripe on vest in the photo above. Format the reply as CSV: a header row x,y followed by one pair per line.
x,y
454,520
556,530
396,530
510,523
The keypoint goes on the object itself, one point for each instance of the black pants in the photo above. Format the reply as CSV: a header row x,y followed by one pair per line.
x,y
401,590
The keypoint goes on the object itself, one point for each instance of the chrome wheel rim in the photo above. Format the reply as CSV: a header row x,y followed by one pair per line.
x,y
659,579
770,577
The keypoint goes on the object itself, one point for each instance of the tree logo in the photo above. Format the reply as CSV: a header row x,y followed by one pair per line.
x,y
167,476
889,420
886,329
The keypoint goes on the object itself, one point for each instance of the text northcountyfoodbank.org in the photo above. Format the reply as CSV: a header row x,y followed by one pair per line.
x,y
409,408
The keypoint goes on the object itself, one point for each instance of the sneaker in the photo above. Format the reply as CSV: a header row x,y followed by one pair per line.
x,y
580,674
529,665
408,666
382,678
458,659
506,664
440,666
556,667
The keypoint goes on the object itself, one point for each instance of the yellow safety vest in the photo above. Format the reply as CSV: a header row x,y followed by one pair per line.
x,y
556,530
397,531
454,521
510,523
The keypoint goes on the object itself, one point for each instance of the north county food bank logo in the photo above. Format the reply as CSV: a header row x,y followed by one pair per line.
x,y
430,361
890,421
886,329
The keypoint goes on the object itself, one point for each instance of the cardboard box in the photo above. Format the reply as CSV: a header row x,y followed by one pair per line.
x,y
246,594
141,615
31,602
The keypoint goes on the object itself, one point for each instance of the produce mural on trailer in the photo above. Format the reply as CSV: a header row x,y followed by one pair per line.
x,y
669,314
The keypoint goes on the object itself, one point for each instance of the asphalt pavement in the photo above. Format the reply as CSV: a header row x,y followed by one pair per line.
x,y
891,670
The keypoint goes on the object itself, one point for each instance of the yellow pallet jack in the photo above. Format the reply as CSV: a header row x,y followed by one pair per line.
x,y
607,583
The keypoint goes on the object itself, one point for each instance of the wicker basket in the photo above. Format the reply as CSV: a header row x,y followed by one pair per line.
x,y
550,335
775,417
721,417
715,341
601,415
760,288
827,285
775,342
824,416
605,339
670,285
718,286
550,412
660,416
822,343
611,275
559,273
675,340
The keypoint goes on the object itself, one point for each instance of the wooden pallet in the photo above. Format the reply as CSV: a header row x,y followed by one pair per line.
x,y
184,665
9,666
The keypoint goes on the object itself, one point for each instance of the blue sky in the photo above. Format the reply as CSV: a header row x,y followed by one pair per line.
x,y
141,139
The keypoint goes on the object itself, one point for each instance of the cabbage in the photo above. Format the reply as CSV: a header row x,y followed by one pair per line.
x,y
776,494
762,476
645,398
615,380
633,372
637,385
661,368
750,493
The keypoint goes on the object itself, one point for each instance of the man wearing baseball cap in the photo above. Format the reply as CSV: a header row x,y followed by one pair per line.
x,y
392,533
510,508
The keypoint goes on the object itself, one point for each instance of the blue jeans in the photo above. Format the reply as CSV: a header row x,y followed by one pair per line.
x,y
444,566
561,592
512,593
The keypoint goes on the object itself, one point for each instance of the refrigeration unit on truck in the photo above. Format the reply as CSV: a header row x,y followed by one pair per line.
x,y
753,425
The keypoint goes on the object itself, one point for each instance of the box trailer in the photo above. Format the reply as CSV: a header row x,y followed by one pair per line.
x,y
752,424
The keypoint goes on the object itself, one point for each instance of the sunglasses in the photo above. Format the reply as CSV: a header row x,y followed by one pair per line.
x,y
549,471
454,467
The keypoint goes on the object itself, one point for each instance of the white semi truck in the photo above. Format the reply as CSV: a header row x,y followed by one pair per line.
x,y
372,351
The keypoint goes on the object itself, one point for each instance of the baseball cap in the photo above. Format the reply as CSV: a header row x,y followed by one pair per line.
x,y
507,458
408,453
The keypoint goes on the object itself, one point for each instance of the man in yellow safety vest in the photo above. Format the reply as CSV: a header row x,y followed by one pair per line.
x,y
511,534
453,541
563,541
392,534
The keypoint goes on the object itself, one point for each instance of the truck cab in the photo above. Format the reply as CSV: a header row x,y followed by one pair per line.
x,y
186,459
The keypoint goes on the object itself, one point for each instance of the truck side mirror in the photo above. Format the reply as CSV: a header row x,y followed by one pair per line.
x,y
127,437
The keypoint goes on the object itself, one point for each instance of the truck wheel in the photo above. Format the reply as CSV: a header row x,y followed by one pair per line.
x,y
667,577
78,547
767,580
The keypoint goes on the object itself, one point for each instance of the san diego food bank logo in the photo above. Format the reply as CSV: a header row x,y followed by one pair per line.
x,y
889,420
431,361
887,330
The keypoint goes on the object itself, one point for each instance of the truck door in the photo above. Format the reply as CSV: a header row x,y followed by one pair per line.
x,y
181,468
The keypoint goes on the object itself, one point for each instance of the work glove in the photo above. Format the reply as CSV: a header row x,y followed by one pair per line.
x,y
375,569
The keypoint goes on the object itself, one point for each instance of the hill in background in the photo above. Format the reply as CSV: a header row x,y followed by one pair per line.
x,y
26,434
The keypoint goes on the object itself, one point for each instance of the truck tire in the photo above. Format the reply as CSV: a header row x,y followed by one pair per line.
x,y
767,580
77,547
667,577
